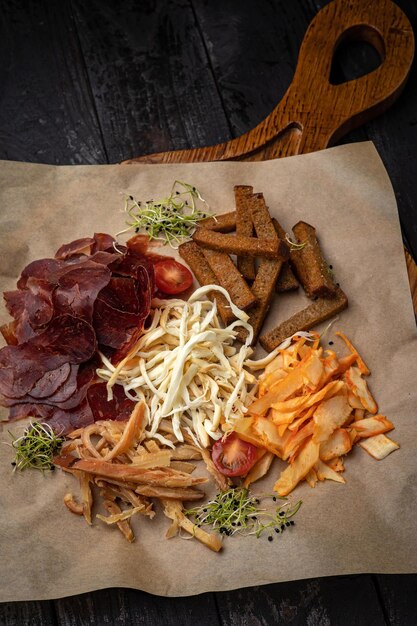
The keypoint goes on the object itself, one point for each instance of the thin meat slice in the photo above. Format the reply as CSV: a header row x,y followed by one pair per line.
x,y
67,339
141,269
84,375
9,333
122,293
64,421
49,383
119,408
135,266
61,421
103,242
31,307
35,300
106,258
119,311
114,327
16,305
60,382
39,302
70,394
39,411
74,390
78,289
20,368
77,247
45,269
141,246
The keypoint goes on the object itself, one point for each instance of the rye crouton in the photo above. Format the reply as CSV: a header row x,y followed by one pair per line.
x,y
263,286
244,226
193,256
275,249
229,277
316,313
309,263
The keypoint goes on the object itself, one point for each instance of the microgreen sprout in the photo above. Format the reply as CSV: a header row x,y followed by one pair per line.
x,y
293,244
235,511
170,219
36,447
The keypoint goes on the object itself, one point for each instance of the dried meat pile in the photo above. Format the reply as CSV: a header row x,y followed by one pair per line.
x,y
92,296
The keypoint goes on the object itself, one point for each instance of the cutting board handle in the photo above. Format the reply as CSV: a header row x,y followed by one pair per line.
x,y
314,113
343,107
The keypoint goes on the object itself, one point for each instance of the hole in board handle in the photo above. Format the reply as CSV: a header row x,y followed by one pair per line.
x,y
359,51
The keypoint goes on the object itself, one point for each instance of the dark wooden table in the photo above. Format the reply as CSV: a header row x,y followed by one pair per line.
x,y
99,82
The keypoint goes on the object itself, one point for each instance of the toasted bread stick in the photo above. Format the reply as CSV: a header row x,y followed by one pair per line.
x,y
223,223
264,284
286,280
279,230
310,265
226,223
192,254
229,277
236,244
244,226
316,313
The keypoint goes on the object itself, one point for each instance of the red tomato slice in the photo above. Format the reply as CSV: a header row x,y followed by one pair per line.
x,y
233,456
172,277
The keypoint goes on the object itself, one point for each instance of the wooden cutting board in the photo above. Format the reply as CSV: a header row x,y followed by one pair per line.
x,y
314,114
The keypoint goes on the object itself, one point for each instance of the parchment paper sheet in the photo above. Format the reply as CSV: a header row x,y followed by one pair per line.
x,y
367,525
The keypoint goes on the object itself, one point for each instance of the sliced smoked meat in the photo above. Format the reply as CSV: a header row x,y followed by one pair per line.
x,y
119,311
66,340
49,383
103,242
60,420
64,421
9,333
45,269
78,289
31,307
135,266
119,408
96,294
105,258
79,246
67,336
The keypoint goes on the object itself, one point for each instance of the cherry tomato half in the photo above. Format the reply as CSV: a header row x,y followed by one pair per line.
x,y
172,277
233,456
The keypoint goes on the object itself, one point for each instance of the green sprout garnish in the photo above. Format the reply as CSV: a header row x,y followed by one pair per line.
x,y
293,244
236,512
36,448
170,219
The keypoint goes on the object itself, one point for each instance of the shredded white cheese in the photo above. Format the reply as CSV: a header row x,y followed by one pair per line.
x,y
187,369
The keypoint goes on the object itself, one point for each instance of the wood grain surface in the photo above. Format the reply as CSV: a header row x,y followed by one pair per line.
x,y
315,112
102,82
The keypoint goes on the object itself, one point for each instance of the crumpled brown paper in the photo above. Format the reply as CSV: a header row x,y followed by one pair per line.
x,y
367,525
